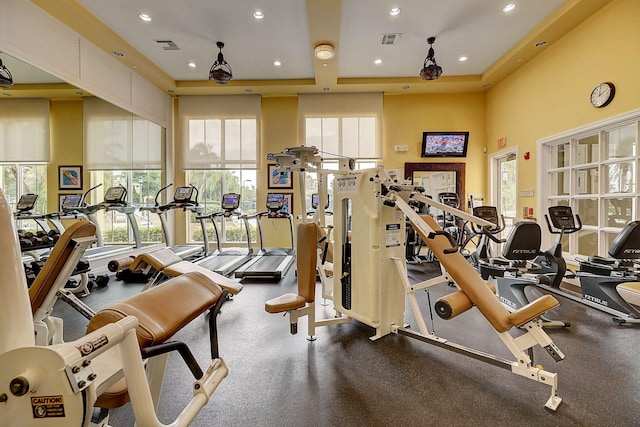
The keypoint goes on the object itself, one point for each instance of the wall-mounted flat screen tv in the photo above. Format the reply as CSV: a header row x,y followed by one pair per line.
x,y
444,144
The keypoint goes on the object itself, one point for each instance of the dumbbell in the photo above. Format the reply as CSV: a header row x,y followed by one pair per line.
x,y
25,243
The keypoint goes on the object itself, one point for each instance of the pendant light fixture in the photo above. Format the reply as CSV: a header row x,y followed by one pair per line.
x,y
6,79
430,70
220,71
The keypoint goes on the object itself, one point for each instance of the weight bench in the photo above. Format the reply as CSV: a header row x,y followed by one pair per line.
x,y
473,291
166,262
302,303
49,284
161,312
83,379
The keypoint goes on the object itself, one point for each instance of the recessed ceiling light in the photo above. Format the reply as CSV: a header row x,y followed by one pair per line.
x,y
541,43
325,64
394,11
258,14
192,64
277,63
134,66
509,7
116,53
378,61
462,59
324,51
144,17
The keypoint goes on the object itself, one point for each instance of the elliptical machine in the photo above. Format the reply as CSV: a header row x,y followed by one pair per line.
x,y
485,234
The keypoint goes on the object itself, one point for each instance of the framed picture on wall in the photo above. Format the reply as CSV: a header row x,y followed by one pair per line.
x,y
278,178
288,203
70,177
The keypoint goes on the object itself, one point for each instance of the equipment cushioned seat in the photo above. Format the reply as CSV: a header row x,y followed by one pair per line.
x,y
163,310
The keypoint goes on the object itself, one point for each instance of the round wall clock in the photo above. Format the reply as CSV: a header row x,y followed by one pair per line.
x,y
603,94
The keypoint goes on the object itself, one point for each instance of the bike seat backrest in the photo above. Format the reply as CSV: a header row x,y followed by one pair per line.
x,y
626,245
523,242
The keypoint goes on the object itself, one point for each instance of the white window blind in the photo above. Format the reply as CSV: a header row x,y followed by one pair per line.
x,y
24,130
115,139
219,132
347,124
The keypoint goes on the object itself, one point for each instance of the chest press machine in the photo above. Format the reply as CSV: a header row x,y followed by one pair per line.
x,y
371,284
75,383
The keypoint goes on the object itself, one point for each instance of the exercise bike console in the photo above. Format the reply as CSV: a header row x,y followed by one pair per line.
x,y
563,220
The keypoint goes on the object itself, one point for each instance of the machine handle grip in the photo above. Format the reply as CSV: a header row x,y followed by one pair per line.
x,y
454,245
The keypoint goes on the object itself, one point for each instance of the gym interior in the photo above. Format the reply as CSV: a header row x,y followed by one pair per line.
x,y
320,242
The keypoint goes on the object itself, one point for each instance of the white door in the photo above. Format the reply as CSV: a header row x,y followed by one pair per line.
x,y
504,185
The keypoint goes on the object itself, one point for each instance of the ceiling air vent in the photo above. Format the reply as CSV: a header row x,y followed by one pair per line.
x,y
393,38
168,44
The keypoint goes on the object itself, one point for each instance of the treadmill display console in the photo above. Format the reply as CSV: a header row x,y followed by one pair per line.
x,y
71,201
488,213
26,202
183,194
275,201
562,217
115,195
230,201
315,201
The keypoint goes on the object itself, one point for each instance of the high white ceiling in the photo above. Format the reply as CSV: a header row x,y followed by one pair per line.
x,y
495,42
475,28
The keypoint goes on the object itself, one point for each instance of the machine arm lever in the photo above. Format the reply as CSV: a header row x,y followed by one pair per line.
x,y
178,346
454,245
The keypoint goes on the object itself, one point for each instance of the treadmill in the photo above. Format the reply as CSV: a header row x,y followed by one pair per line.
x,y
114,200
270,264
185,198
226,260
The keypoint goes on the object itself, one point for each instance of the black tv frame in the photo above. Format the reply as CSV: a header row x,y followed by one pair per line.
x,y
463,153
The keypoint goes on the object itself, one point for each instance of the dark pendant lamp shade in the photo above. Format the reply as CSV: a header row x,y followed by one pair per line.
x,y
220,71
430,70
6,79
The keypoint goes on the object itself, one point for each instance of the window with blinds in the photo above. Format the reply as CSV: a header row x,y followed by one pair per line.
x,y
24,130
219,132
115,139
342,125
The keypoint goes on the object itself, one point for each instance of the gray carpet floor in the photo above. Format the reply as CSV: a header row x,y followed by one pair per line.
x,y
345,379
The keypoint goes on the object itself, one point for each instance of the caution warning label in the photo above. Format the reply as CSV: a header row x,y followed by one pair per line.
x,y
47,406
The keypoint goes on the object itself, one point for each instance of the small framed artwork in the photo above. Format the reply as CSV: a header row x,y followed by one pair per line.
x,y
279,178
70,177
287,207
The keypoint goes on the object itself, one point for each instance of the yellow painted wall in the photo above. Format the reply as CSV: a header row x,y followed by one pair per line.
x,y
66,146
279,125
550,94
407,116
